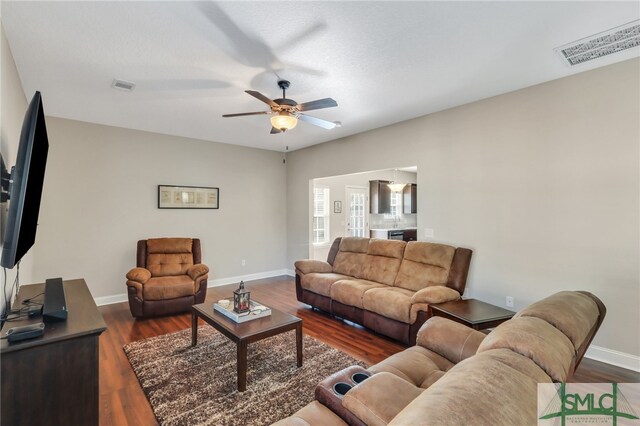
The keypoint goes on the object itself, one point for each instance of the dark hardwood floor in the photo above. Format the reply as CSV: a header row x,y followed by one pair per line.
x,y
122,401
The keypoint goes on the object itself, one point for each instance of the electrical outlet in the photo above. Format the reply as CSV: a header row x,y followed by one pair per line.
x,y
244,262
428,233
509,302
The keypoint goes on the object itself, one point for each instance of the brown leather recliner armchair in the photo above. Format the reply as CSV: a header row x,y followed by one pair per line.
x,y
169,277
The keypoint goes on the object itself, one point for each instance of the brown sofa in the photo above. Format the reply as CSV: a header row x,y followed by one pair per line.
x,y
385,285
169,277
458,376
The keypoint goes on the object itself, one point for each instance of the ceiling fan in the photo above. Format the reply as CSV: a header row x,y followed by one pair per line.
x,y
288,112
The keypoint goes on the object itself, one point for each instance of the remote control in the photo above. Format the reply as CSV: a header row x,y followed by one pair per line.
x,y
16,334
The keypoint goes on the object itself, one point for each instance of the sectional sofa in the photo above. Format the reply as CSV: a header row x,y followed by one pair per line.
x,y
458,376
385,285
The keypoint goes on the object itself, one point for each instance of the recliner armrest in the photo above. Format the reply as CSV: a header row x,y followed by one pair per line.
x,y
309,266
140,275
450,339
435,294
380,398
197,270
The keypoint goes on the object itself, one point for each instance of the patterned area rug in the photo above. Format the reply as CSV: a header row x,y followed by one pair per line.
x,y
197,386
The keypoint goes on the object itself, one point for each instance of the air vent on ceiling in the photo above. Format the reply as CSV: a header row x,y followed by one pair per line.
x,y
602,44
123,85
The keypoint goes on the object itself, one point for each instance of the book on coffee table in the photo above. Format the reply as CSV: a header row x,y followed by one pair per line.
x,y
255,311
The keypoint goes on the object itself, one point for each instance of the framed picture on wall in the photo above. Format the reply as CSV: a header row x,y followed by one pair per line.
x,y
188,197
337,206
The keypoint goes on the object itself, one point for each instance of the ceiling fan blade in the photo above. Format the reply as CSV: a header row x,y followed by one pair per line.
x,y
247,113
262,97
319,104
274,130
316,121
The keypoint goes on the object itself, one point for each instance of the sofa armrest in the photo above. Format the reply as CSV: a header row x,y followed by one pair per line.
x,y
140,275
380,398
450,339
308,266
197,270
435,294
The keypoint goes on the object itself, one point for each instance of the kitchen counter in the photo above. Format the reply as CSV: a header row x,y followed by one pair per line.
x,y
404,234
394,229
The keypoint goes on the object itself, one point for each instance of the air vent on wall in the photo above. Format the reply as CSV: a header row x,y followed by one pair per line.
x,y
123,85
602,44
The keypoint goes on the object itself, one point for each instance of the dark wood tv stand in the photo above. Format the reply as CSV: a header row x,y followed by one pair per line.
x,y
53,379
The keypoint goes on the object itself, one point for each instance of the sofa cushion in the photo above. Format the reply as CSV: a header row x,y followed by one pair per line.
x,y
320,283
423,265
417,365
383,260
313,413
573,313
161,288
380,398
483,390
390,302
166,264
351,257
169,245
536,339
350,291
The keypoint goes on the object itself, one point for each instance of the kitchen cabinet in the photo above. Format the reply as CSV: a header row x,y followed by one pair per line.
x,y
410,235
410,199
379,197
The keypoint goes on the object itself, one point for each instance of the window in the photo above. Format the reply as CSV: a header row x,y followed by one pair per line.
x,y
396,206
320,215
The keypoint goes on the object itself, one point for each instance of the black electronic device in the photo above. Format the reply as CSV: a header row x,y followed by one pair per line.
x,y
55,303
23,186
17,334
34,311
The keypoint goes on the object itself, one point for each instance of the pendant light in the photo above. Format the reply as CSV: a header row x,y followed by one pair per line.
x,y
394,185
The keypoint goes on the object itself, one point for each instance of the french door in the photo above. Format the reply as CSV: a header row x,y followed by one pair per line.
x,y
357,211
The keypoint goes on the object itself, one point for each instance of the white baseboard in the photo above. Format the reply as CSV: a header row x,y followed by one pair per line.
x,y
291,272
109,300
250,277
609,356
118,298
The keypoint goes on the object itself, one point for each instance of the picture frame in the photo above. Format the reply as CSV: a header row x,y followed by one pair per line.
x,y
337,206
188,197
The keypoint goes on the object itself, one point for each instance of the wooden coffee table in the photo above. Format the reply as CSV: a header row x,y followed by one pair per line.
x,y
472,313
246,332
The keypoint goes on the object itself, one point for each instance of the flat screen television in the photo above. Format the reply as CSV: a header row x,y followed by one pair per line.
x,y
26,182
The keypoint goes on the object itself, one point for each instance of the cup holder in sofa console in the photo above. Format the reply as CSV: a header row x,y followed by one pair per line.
x,y
359,377
341,388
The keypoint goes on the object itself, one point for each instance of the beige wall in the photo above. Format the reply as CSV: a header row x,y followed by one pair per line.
x,y
100,197
542,183
13,105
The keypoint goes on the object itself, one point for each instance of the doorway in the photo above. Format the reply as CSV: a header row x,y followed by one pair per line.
x,y
356,211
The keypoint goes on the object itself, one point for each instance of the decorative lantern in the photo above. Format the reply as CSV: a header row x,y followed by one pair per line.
x,y
241,299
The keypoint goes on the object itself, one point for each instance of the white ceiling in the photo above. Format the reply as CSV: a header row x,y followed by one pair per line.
x,y
383,62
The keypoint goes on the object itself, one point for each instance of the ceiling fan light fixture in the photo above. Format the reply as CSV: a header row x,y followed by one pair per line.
x,y
284,121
